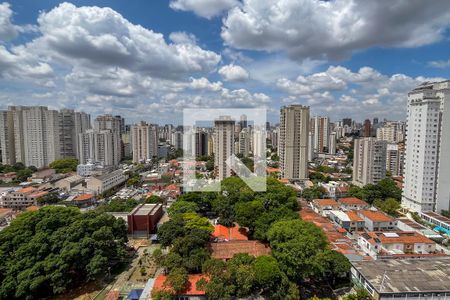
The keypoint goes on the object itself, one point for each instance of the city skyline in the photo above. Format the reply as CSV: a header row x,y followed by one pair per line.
x,y
90,67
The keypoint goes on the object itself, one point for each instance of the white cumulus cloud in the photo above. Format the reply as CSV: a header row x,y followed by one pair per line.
x,y
204,8
233,73
333,29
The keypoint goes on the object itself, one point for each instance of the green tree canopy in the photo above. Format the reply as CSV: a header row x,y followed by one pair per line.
x,y
180,207
47,251
64,165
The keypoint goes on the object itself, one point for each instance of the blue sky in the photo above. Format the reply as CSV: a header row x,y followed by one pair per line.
x,y
150,59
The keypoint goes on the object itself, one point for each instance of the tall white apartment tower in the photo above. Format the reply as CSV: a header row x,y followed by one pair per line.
x,y
293,141
98,146
332,143
244,142
116,125
369,161
320,127
427,155
36,135
224,128
144,141
8,154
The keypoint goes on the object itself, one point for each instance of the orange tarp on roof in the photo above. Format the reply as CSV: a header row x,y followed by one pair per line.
x,y
191,289
229,233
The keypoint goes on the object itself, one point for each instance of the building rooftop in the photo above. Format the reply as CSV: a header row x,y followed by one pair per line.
x,y
227,250
376,216
26,190
397,237
412,224
436,216
353,201
191,289
145,209
325,202
230,233
349,216
406,275
83,197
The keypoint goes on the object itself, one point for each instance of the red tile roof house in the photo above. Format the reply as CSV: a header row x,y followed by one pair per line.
x,y
352,203
84,200
191,291
323,206
377,220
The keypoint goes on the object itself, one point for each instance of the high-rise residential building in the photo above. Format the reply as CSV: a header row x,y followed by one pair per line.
x,y
144,140
320,127
347,122
394,159
109,122
366,129
243,122
99,146
165,132
332,143
244,142
116,125
392,132
177,140
8,154
259,148
427,155
126,144
201,143
293,142
369,161
311,152
223,145
36,135
71,123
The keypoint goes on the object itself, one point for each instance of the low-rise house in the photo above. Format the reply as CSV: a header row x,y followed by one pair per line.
x,y
353,203
375,220
392,243
404,279
323,206
6,216
102,183
222,233
442,223
83,200
20,199
227,250
189,293
341,191
8,177
68,183
348,220
405,224
42,175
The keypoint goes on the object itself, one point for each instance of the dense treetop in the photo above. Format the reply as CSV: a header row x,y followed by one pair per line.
x,y
53,249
